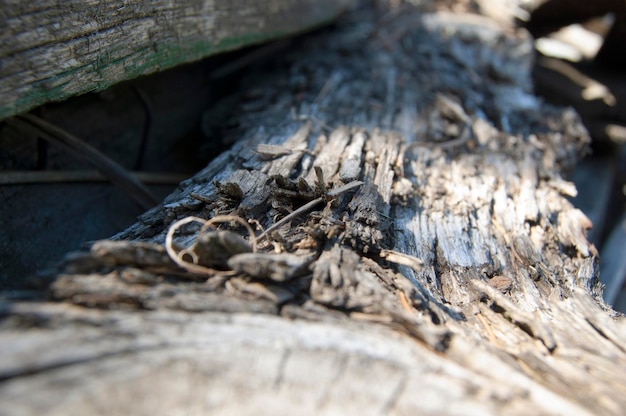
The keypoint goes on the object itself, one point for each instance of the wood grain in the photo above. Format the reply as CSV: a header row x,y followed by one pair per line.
x,y
456,279
50,50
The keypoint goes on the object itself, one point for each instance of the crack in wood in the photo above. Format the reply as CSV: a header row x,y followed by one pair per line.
x,y
282,366
394,396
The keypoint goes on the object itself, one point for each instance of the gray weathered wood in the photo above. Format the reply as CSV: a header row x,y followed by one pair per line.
x,y
456,279
52,50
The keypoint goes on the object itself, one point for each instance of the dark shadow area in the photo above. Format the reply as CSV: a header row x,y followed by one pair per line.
x,y
580,63
163,128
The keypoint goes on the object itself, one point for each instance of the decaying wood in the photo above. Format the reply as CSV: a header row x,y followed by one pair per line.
x,y
50,51
453,278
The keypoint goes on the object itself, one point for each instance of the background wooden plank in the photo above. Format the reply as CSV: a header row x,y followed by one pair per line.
x,y
52,50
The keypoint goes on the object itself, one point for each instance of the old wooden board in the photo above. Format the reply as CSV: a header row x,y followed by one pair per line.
x,y
52,50
411,251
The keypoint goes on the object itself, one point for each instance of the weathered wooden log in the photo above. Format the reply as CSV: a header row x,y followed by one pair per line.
x,y
50,51
419,254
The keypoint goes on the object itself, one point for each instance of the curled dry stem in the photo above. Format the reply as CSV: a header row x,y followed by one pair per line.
x,y
194,267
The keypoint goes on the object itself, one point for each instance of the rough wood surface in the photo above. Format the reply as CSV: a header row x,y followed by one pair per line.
x,y
430,262
52,50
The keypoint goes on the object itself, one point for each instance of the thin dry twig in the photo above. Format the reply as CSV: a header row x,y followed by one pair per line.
x,y
20,177
108,167
402,259
272,151
310,205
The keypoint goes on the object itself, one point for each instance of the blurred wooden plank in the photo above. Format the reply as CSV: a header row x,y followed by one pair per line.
x,y
52,50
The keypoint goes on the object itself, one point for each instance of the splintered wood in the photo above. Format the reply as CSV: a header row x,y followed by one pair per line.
x,y
410,189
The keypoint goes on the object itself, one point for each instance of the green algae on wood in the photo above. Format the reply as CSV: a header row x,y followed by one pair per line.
x,y
50,51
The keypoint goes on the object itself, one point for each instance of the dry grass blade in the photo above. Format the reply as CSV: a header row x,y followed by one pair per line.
x,y
21,177
108,167
310,205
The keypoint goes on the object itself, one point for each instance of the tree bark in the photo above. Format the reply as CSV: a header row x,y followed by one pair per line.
x,y
413,251
51,50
